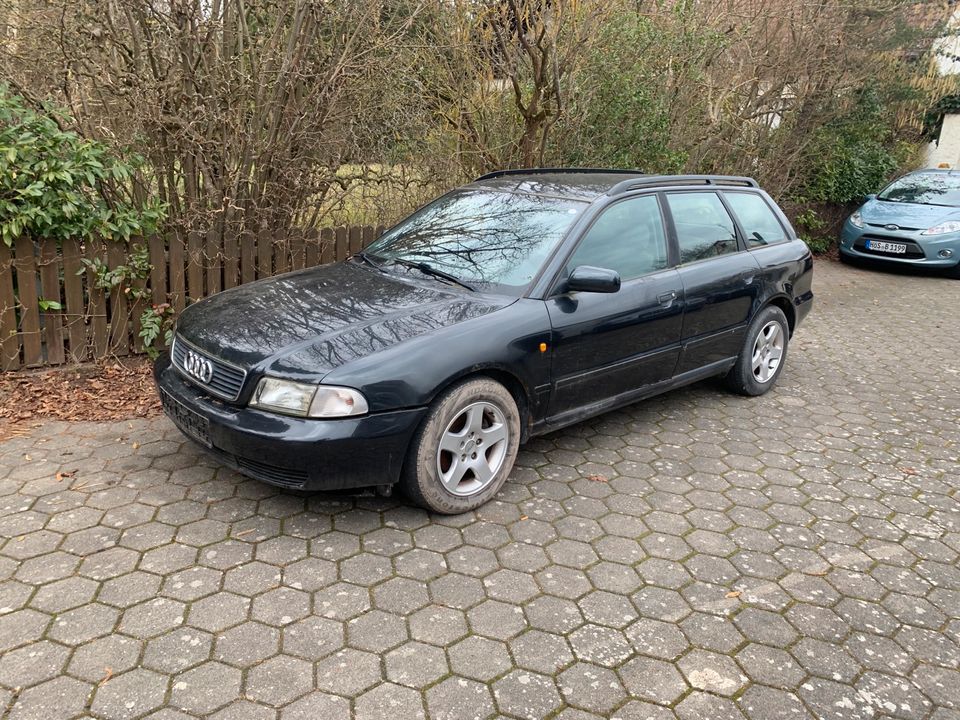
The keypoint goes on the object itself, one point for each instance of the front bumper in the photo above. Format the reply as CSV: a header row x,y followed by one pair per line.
x,y
300,453
924,249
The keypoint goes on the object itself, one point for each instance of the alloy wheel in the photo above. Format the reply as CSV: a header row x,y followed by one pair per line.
x,y
472,448
768,351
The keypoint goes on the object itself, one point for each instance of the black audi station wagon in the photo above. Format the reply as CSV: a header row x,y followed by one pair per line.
x,y
507,308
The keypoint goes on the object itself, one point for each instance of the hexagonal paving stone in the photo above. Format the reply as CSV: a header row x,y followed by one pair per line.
x,y
281,606
216,613
497,620
57,699
457,698
541,652
389,700
341,601
318,706
152,618
479,658
526,695
205,688
712,672
178,650
376,631
313,638
129,695
32,664
416,664
83,624
653,680
348,672
279,680
247,644
107,656
591,687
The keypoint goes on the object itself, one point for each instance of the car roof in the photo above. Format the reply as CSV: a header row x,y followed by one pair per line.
x,y
587,184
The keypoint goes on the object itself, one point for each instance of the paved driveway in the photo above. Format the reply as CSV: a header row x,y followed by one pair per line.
x,y
700,556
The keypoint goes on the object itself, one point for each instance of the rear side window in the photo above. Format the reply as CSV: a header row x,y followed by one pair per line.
x,y
704,227
627,237
756,218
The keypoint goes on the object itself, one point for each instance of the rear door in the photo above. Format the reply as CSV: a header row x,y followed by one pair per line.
x,y
719,279
607,345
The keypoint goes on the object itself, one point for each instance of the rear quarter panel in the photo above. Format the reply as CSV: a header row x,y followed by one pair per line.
x,y
786,270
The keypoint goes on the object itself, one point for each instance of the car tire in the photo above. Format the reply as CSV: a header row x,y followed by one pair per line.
x,y
463,452
763,355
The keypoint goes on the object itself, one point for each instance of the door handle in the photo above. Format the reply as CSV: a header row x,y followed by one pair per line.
x,y
747,277
667,297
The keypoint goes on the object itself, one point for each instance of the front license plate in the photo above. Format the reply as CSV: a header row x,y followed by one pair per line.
x,y
190,422
887,247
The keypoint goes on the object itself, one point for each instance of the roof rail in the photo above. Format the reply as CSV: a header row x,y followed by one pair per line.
x,y
538,171
656,180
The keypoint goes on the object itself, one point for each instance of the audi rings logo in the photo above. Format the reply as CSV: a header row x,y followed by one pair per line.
x,y
198,367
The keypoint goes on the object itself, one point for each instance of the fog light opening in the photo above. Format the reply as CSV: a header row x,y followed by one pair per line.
x,y
946,253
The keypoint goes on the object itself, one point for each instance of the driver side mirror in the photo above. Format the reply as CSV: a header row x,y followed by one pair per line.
x,y
593,279
871,196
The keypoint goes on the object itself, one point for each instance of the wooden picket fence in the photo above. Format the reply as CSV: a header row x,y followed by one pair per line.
x,y
94,323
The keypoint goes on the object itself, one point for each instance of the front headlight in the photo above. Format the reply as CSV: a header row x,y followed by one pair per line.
x,y
856,219
304,400
943,228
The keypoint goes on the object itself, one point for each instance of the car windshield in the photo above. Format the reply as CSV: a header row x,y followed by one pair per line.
x,y
924,189
481,237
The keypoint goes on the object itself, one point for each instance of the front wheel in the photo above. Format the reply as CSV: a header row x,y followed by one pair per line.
x,y
465,449
763,354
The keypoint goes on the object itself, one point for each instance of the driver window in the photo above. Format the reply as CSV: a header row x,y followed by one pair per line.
x,y
704,227
627,237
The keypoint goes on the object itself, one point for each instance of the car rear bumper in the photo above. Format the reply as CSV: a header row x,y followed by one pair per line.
x,y
924,251
299,453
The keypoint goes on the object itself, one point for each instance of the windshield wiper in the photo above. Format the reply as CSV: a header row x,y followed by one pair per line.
x,y
369,260
428,269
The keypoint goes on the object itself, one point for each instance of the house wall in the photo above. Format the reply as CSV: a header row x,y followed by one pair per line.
x,y
946,152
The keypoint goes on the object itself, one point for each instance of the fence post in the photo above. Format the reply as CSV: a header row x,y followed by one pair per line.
x,y
9,342
178,272
73,294
328,246
264,253
29,302
341,249
50,290
248,255
119,306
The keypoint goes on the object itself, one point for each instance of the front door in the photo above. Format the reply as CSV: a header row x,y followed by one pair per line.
x,y
607,345
720,279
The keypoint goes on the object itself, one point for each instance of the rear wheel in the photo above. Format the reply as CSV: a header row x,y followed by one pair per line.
x,y
763,354
465,449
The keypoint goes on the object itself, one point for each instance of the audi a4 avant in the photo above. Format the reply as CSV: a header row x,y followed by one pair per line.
x,y
914,221
510,307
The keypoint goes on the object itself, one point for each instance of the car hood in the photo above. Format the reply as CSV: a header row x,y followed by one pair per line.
x,y
908,216
306,323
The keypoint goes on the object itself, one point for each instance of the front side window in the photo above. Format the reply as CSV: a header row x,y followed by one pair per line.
x,y
482,237
627,237
704,227
756,218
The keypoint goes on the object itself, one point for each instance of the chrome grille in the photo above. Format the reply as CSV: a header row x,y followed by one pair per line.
x,y
227,379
